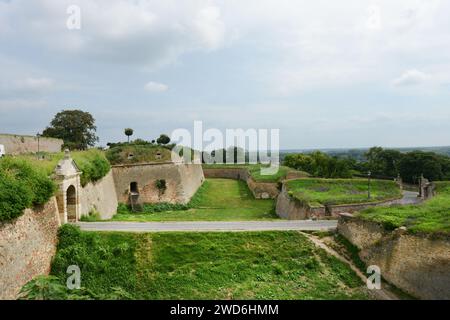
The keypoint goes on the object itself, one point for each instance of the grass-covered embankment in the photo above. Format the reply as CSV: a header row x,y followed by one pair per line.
x,y
135,153
216,200
92,163
244,265
22,186
342,191
432,216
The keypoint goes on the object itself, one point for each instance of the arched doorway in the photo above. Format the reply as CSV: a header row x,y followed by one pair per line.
x,y
71,200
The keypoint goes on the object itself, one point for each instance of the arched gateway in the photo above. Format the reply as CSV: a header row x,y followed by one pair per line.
x,y
67,177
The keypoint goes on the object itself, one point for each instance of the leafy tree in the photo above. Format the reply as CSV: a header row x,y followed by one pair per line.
x,y
77,129
163,139
320,164
128,132
383,162
416,163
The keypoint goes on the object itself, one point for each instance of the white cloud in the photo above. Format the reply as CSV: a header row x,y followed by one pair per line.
x,y
35,84
156,87
411,78
21,104
147,33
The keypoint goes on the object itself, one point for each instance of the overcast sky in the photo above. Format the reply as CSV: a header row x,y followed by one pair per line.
x,y
326,73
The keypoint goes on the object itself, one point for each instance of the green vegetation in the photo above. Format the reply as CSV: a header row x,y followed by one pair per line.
x,y
138,153
320,164
216,200
21,186
341,191
77,129
432,216
247,265
92,163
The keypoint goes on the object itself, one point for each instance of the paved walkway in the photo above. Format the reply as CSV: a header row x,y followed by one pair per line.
x,y
308,225
410,197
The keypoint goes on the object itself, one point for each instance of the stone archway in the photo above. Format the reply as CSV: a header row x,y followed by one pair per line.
x,y
71,203
67,177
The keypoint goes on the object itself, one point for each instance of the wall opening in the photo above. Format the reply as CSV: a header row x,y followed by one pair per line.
x,y
71,201
134,187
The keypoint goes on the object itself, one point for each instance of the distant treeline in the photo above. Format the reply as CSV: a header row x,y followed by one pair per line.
x,y
382,163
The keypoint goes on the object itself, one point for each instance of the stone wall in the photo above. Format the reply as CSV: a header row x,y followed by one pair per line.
x,y
260,190
418,264
293,209
335,210
99,196
27,246
182,180
17,144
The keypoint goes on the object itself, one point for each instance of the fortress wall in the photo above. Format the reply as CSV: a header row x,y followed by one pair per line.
x,y
417,263
17,144
192,178
227,173
293,209
27,246
99,196
181,181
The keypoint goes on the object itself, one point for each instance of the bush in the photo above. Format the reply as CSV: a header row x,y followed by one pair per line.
x,y
93,164
154,207
22,186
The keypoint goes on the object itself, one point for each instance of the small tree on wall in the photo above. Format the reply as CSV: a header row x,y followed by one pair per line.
x,y
163,139
161,186
128,132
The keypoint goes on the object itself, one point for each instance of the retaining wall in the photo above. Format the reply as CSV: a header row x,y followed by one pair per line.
x,y
417,263
99,196
182,180
27,246
294,209
17,144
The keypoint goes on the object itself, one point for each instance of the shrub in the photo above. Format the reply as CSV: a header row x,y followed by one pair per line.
x,y
22,186
93,164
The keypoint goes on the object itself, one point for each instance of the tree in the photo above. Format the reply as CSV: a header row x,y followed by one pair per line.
x,y
416,163
383,162
128,132
163,139
75,127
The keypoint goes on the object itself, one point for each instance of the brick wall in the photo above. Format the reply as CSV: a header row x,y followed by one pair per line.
x,y
27,246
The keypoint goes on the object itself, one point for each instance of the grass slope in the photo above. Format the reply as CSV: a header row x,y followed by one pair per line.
x,y
259,265
430,216
92,163
341,191
216,200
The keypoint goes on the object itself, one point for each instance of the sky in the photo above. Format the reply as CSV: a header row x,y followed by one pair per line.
x,y
327,74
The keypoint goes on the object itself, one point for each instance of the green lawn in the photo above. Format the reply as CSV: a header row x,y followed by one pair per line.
x,y
430,216
216,200
247,265
341,191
